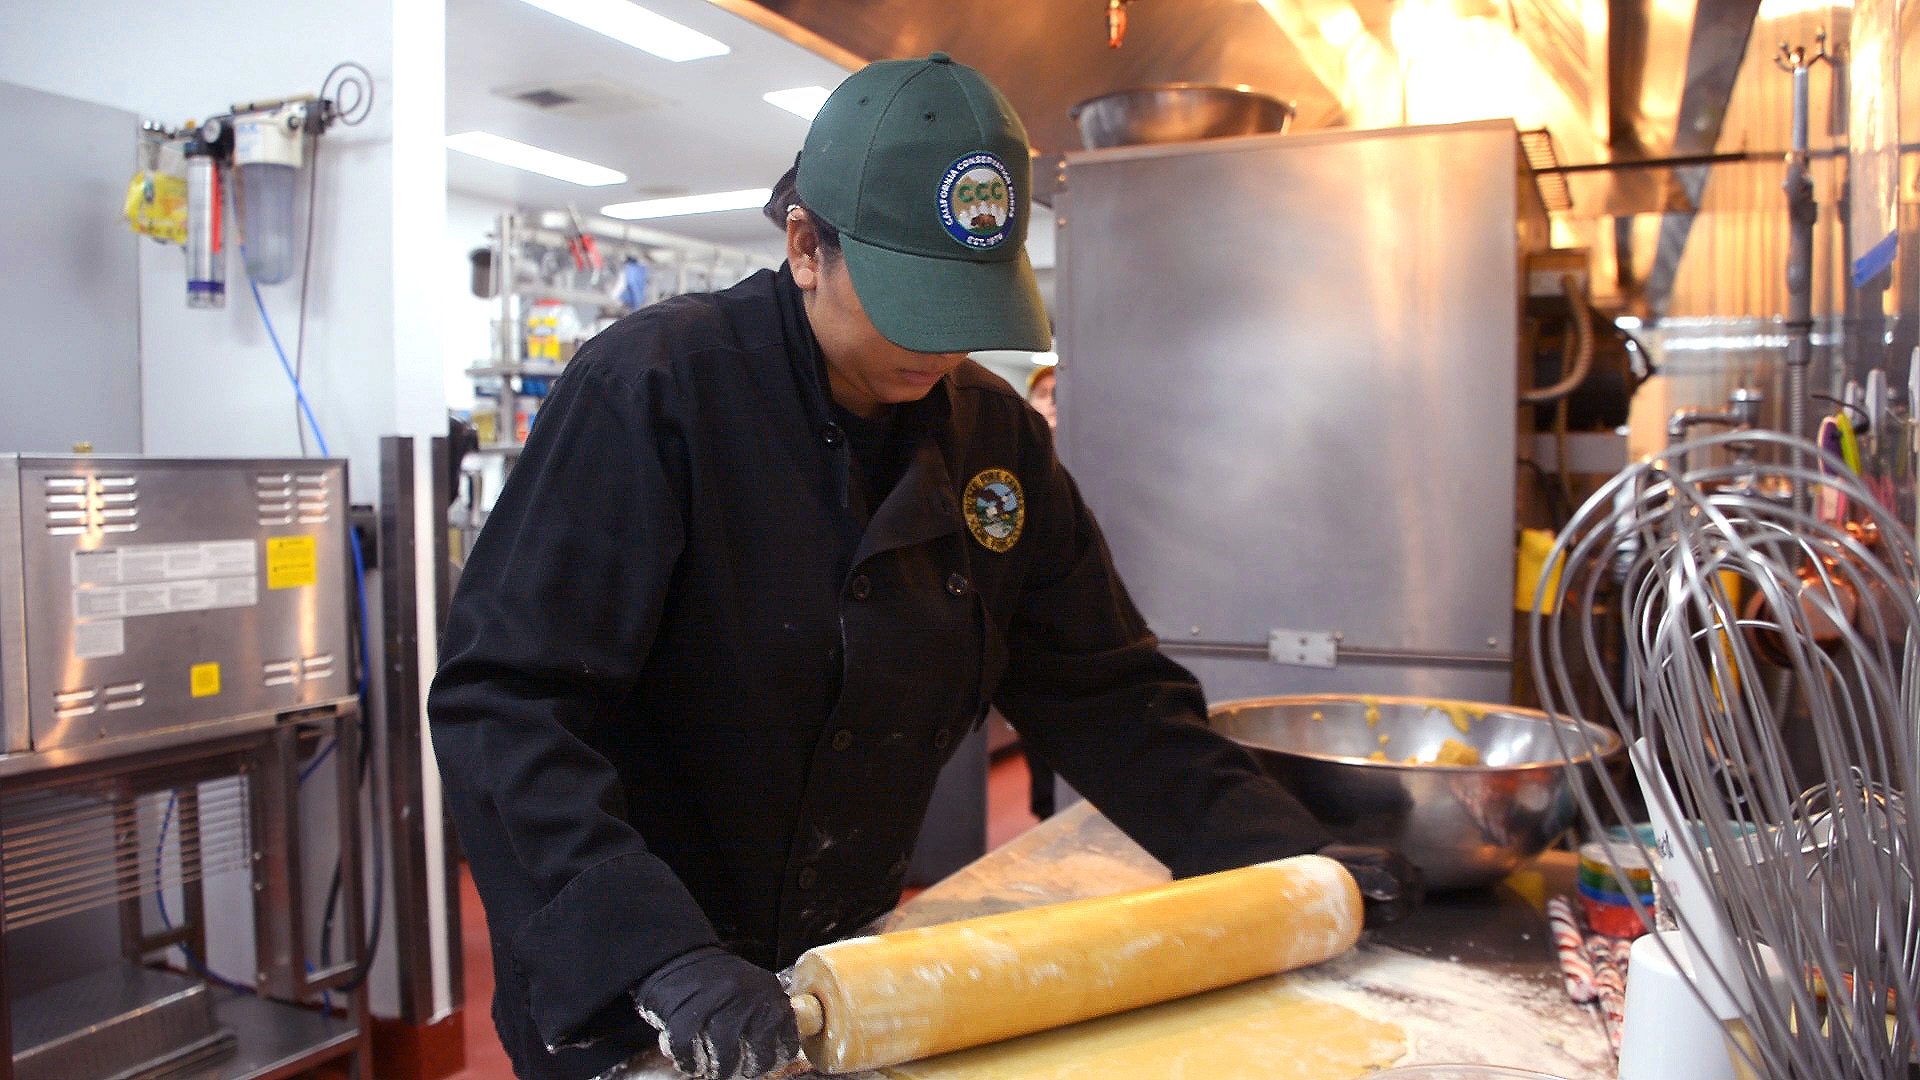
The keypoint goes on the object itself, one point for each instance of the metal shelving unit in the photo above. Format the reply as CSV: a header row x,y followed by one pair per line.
x,y
282,1029
180,768
276,1040
531,263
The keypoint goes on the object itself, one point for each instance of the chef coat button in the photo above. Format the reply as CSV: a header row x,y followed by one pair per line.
x,y
941,738
842,739
807,878
957,584
832,435
860,587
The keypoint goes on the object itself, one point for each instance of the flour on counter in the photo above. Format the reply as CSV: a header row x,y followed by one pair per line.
x,y
1457,1013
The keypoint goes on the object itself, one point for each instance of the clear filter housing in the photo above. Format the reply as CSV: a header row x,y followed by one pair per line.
x,y
267,155
266,212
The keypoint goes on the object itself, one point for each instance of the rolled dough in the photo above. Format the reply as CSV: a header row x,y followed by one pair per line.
x,y
1258,1030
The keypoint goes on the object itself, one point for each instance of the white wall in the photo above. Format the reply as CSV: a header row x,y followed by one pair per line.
x,y
466,321
211,384
73,366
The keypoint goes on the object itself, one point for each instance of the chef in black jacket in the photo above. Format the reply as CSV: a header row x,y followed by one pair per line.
x,y
769,554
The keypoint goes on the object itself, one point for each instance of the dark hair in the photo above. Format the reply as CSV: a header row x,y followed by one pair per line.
x,y
786,196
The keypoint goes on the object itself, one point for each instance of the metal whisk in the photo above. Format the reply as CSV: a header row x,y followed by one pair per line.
x,y
1770,703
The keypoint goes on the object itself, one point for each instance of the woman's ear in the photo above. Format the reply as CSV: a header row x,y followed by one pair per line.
x,y
803,249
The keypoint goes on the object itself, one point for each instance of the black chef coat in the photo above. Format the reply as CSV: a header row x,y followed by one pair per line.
x,y
696,691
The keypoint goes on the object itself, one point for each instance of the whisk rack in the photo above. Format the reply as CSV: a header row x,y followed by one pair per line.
x,y
1769,704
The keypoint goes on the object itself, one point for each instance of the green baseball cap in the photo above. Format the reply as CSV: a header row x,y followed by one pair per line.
x,y
923,167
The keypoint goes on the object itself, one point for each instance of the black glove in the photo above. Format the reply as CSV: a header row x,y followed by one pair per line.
x,y
720,1017
1390,886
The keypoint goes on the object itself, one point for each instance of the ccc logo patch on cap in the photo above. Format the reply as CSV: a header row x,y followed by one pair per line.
x,y
977,201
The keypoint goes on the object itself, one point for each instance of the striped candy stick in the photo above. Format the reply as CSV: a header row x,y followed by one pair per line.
x,y
1610,982
1567,942
1620,951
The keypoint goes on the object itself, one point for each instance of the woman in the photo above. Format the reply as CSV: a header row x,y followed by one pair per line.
x,y
767,557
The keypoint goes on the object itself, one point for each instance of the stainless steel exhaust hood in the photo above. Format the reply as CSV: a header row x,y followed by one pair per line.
x,y
1047,55
1616,81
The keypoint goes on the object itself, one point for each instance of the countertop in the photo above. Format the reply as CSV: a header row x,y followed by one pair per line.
x,y
1470,977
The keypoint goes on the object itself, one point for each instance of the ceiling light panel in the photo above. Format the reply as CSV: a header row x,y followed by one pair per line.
x,y
631,24
801,101
748,199
491,147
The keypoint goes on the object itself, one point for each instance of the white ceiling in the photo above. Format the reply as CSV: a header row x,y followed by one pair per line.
x,y
702,126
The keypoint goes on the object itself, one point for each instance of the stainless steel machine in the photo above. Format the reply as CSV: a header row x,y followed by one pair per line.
x,y
1287,389
178,694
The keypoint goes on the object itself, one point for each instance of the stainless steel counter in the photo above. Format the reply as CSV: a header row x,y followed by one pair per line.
x,y
1470,977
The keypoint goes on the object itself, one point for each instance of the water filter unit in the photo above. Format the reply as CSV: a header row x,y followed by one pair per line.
x,y
268,150
206,257
259,148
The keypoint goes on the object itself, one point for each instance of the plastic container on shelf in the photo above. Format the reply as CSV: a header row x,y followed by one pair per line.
x,y
553,332
486,417
1607,907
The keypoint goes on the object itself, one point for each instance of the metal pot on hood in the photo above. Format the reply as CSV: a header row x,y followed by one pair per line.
x,y
1177,112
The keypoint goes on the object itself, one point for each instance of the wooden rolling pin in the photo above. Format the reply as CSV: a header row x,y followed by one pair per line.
x,y
869,1002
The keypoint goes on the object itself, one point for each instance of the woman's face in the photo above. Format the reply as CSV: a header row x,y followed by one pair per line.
x,y
865,371
1041,397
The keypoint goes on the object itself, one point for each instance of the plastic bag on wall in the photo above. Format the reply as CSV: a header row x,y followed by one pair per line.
x,y
157,206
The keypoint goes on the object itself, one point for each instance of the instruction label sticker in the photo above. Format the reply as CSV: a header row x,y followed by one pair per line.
x,y
165,562
293,562
98,640
204,679
161,598
114,584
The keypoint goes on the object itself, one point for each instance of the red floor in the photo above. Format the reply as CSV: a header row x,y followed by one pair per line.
x,y
1007,817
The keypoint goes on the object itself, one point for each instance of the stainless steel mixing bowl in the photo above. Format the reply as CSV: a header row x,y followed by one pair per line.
x,y
1177,112
1464,825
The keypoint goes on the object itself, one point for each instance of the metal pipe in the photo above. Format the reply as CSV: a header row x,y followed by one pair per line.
x,y
1801,212
1743,411
1576,290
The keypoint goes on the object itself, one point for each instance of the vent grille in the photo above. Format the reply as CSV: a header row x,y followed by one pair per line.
x,y
273,498
293,498
297,670
77,505
1544,162
71,703
582,98
119,697
67,850
544,98
125,696
313,497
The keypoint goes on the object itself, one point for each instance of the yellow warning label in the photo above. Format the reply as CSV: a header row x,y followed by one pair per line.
x,y
205,679
292,562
